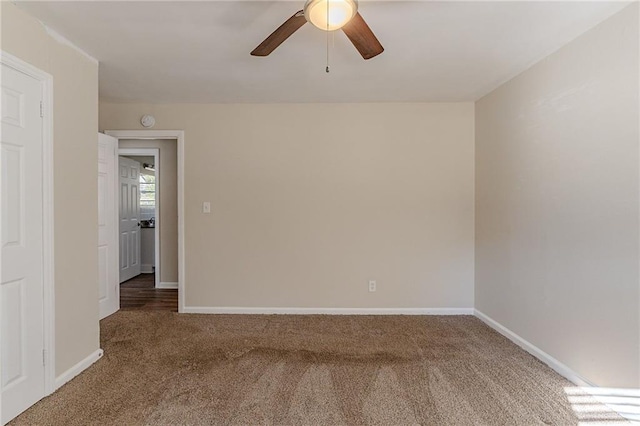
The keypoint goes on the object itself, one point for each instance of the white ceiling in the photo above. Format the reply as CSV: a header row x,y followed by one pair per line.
x,y
199,51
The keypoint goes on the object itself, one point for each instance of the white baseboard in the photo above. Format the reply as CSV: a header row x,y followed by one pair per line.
x,y
328,311
167,285
146,269
556,365
78,368
601,394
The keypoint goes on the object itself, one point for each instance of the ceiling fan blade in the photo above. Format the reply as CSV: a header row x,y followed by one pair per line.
x,y
362,37
283,32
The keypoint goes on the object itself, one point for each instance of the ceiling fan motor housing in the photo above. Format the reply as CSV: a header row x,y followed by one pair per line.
x,y
330,15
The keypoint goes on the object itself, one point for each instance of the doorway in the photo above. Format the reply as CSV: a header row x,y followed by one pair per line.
x,y
141,139
160,283
139,214
143,286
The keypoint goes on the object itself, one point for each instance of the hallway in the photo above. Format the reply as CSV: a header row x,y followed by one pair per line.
x,y
139,293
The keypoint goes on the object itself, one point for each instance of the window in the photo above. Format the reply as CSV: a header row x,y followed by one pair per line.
x,y
147,193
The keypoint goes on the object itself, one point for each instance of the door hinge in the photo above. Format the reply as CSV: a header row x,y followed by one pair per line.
x,y
44,357
41,109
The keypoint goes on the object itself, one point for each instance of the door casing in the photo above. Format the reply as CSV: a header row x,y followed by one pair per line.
x,y
178,136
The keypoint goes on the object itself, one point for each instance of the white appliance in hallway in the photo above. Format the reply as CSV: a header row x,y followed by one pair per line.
x,y
129,173
22,270
108,279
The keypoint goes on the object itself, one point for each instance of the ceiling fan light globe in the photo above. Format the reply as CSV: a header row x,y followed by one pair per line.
x,y
340,13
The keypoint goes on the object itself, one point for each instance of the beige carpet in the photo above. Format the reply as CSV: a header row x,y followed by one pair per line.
x,y
170,369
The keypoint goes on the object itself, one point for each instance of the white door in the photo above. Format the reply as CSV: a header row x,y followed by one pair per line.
x,y
129,172
108,280
21,276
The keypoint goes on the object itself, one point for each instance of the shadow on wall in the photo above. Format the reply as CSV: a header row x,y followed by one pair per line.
x,y
587,404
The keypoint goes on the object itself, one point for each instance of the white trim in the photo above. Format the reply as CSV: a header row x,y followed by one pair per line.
x,y
560,368
328,311
78,368
48,218
167,285
179,136
155,153
556,365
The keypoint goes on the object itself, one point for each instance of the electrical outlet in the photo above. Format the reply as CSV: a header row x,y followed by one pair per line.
x,y
372,286
206,207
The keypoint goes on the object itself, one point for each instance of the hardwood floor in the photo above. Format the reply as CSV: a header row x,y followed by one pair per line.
x,y
139,293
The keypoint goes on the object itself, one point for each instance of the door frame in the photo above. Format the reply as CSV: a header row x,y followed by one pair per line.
x,y
48,276
178,136
155,153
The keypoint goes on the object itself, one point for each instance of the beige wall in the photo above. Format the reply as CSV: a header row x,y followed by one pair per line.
x,y
168,219
311,201
557,204
75,90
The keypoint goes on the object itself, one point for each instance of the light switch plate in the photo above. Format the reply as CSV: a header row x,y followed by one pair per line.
x,y
206,207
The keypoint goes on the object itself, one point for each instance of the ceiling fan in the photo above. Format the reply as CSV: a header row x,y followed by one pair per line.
x,y
328,15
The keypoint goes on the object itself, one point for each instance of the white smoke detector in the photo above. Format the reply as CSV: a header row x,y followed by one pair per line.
x,y
147,121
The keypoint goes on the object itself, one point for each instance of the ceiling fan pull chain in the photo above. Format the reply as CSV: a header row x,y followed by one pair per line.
x,y
327,69
327,53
